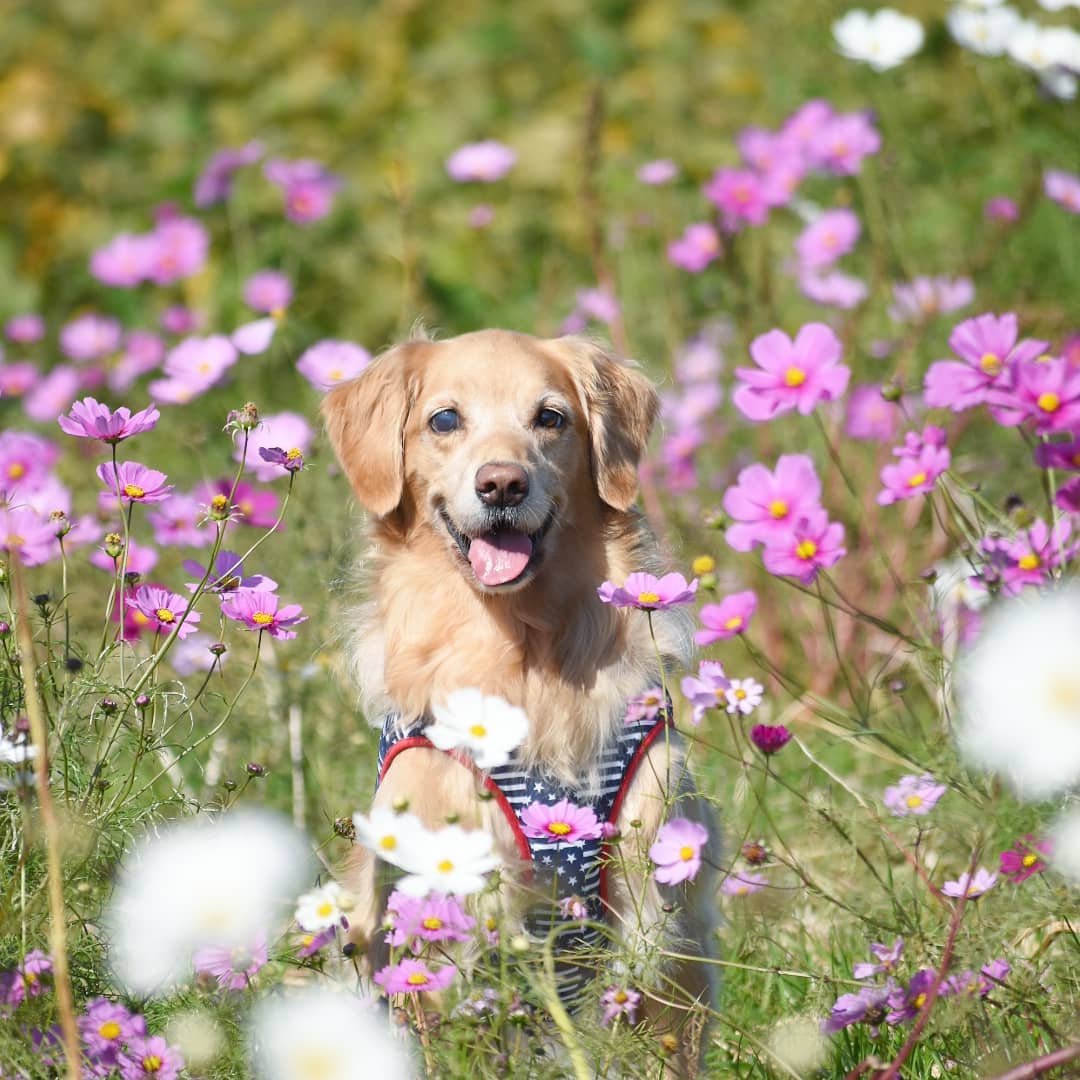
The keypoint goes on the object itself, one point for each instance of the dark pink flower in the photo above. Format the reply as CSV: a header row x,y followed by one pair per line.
x,y
90,337
677,850
1063,188
133,482
25,329
1024,858
268,291
870,416
740,196
411,977
259,609
823,241
307,187
764,505
215,181
791,375
480,162
564,822
163,610
648,592
1068,496
913,475
813,543
727,619
150,1058
1044,390
769,738
90,419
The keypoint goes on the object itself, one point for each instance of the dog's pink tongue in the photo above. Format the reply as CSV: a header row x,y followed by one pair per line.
x,y
499,557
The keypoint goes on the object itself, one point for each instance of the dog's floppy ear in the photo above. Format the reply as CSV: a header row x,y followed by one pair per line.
x,y
621,404
365,420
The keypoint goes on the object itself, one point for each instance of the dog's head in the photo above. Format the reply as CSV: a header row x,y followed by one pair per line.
x,y
498,442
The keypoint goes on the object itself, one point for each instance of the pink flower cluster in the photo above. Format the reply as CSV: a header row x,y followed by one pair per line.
x,y
175,249
922,459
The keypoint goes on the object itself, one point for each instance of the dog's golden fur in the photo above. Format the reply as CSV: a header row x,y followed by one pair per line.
x,y
546,643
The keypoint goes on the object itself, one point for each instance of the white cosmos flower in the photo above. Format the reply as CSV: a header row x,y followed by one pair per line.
x,y
489,728
320,1034
452,861
16,753
200,883
1065,837
324,907
1059,5
883,39
1018,694
399,839
984,31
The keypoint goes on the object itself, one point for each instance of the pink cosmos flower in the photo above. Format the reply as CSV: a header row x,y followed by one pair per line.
x,y
913,795
292,461
971,886
253,338
150,1059
259,609
645,706
780,182
416,921
987,346
192,367
887,958
256,507
823,241
28,978
143,351
17,379
1063,188
141,559
25,329
740,196
227,575
1068,496
728,618
1059,455
813,543
214,184
764,505
911,476
919,299
133,482
791,375
649,593
698,246
327,363
1029,557
706,690
106,1026
268,291
286,429
411,977
833,290
677,850
769,738
743,883
565,822
657,173
126,261
163,610
1044,390
307,187
52,395
481,216
480,162
233,968
178,319
177,523
841,144
598,304
90,419
90,337
311,943
619,1001
181,245
1000,208
25,461
762,149
870,416
971,985
803,128
1024,858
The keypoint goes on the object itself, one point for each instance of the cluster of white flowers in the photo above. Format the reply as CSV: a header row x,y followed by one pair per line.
x,y
322,908
883,39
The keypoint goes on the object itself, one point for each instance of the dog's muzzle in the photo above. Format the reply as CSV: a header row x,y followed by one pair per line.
x,y
502,555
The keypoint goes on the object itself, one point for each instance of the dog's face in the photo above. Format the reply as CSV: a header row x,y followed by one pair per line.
x,y
497,443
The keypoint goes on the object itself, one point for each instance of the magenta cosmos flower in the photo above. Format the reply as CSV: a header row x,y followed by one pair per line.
x,y
1063,188
268,291
791,375
150,1059
328,363
727,619
987,346
90,419
765,504
770,738
868,1006
306,186
911,476
411,977
416,921
480,162
133,482
913,795
259,609
565,821
233,968
677,850
106,1026
812,543
823,241
1024,858
698,246
1044,390
162,610
619,1001
970,885
648,592
740,196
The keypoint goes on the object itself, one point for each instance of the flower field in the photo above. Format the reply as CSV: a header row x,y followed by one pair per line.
x,y
846,247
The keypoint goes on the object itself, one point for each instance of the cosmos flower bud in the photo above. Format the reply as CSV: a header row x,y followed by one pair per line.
x,y
114,545
245,419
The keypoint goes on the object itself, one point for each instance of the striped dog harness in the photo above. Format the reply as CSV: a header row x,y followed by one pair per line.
x,y
560,870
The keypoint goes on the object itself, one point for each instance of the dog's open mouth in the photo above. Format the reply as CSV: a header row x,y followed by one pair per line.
x,y
502,556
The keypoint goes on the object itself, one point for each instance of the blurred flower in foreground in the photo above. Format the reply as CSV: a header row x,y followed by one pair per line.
x,y
323,1035
267,291
698,246
922,297
232,966
198,884
883,39
1065,843
1024,664
658,172
480,162
986,31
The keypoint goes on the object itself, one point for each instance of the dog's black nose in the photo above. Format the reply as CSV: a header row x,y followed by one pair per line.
x,y
501,484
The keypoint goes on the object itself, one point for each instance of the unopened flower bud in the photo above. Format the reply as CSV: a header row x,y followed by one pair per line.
x,y
219,648
219,508
892,391
703,564
108,706
898,686
255,769
132,577
61,521
114,545
229,785
1023,517
714,519
5,628
348,950
707,581
142,701
245,419
519,945
929,576
400,805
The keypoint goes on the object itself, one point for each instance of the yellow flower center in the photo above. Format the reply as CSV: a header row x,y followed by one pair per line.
x,y
109,1030
336,375
294,453
794,376
1028,562
490,923
314,1064
807,549
432,922
29,978
133,491
914,801
739,695
734,623
916,479
324,909
165,615
648,598
14,540
918,1001
388,843
778,508
445,866
478,731
559,828
720,694
741,194
262,618
704,564
417,978
151,1063
1048,402
990,363
1030,859
219,502
686,853
621,997
16,470
140,619
829,239
1065,692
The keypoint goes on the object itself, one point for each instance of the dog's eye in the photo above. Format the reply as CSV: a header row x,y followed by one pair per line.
x,y
445,421
549,418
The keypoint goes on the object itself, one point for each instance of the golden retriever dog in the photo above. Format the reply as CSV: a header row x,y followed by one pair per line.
x,y
499,473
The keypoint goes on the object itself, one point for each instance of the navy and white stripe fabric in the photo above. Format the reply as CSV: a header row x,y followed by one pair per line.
x,y
561,870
